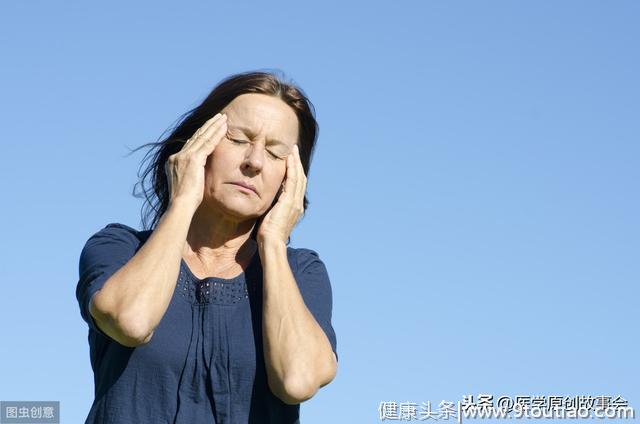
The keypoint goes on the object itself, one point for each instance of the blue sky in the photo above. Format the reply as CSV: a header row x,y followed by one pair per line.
x,y
474,192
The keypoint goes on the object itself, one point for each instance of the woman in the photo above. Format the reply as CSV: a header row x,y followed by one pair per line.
x,y
209,317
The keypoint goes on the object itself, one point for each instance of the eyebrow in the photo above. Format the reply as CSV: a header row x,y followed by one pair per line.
x,y
251,134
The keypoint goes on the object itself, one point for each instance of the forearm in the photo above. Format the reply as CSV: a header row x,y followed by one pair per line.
x,y
298,356
133,300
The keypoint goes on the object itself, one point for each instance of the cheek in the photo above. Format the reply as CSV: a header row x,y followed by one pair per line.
x,y
280,177
218,163
272,183
213,172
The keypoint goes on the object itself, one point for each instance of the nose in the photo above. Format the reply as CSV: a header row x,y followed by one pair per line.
x,y
254,158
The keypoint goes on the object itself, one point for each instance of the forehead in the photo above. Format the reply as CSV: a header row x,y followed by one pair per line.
x,y
260,114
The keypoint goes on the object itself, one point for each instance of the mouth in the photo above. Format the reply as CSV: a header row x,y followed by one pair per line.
x,y
246,187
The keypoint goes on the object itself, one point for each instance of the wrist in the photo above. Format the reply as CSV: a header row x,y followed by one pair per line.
x,y
270,242
183,205
180,211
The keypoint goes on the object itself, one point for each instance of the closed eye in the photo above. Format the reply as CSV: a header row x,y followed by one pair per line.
x,y
245,142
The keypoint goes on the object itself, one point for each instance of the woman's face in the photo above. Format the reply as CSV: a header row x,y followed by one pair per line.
x,y
261,132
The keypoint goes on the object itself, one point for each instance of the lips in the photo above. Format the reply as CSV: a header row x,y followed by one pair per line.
x,y
245,185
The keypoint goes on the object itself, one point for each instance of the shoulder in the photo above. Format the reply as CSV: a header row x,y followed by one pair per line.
x,y
113,238
119,232
302,258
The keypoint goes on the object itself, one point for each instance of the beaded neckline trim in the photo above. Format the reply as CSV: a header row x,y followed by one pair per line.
x,y
221,291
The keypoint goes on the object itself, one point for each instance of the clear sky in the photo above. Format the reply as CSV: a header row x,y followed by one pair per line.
x,y
474,193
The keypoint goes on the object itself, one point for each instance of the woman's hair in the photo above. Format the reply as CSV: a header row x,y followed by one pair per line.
x,y
157,195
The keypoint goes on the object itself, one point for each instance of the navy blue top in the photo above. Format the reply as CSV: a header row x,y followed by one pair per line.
x,y
205,361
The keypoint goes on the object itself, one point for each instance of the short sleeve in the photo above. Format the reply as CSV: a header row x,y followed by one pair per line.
x,y
103,254
315,288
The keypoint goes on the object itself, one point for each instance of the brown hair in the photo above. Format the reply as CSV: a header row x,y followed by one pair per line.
x,y
157,196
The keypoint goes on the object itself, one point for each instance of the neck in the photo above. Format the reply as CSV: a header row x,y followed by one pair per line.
x,y
217,238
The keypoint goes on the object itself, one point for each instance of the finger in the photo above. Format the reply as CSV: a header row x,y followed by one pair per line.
x,y
207,126
289,182
299,162
300,177
197,138
211,129
210,140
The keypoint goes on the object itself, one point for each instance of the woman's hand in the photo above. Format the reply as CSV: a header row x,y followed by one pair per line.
x,y
185,169
280,220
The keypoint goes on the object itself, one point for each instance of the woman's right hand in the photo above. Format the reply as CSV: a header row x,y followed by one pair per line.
x,y
185,169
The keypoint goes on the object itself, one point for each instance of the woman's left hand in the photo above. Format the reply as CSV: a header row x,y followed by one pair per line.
x,y
280,220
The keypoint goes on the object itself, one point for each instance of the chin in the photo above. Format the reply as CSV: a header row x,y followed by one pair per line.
x,y
240,208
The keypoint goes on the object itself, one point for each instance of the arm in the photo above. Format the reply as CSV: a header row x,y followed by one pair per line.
x,y
131,303
298,356
134,299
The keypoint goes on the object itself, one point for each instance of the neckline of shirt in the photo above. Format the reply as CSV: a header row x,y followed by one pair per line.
x,y
192,276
